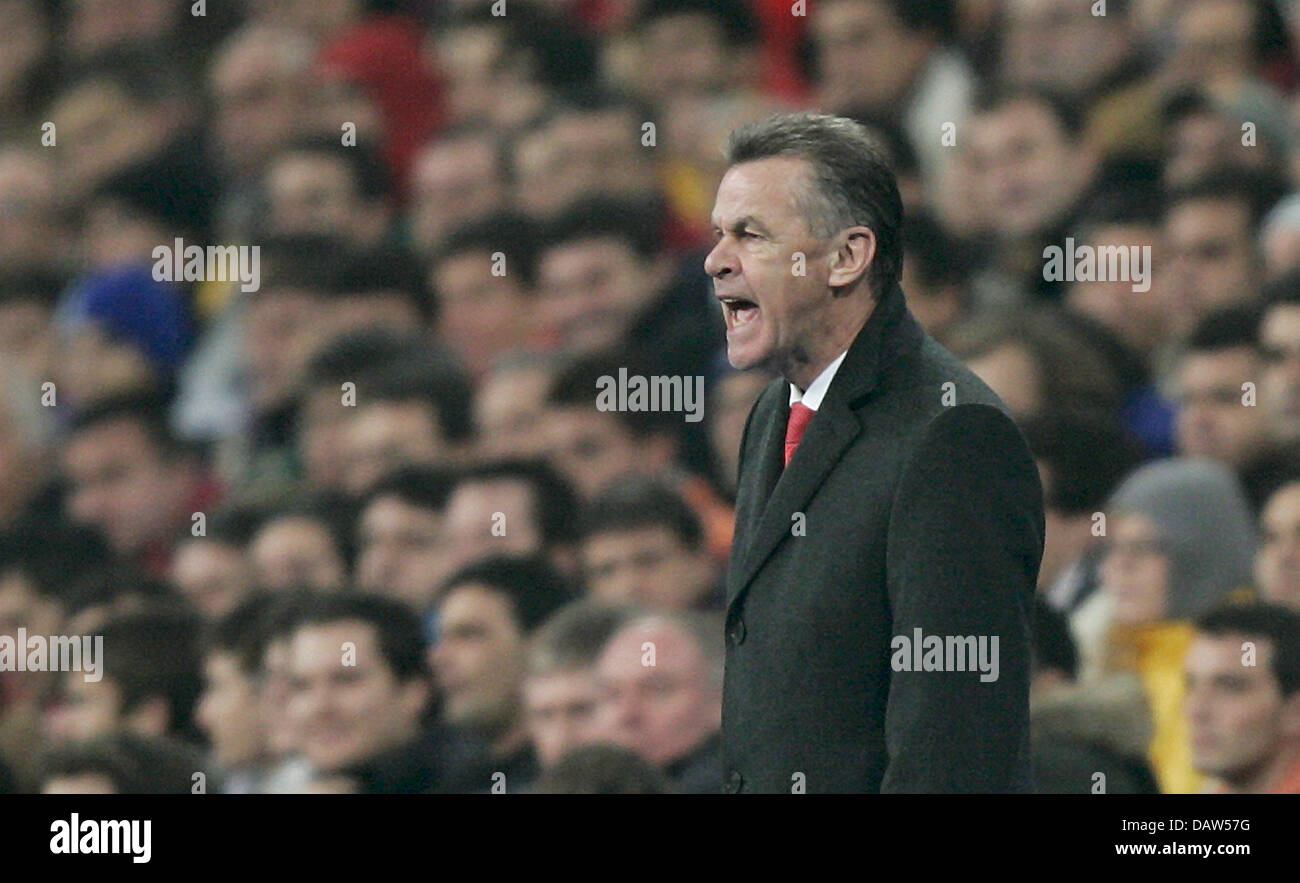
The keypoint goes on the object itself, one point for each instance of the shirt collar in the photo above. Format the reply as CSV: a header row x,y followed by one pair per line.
x,y
816,391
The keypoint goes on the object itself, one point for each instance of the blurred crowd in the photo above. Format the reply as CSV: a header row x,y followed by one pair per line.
x,y
363,528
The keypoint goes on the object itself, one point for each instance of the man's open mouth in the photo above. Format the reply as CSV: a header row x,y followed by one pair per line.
x,y
740,311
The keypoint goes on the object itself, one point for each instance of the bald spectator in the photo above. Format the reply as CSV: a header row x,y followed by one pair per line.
x,y
661,678
561,692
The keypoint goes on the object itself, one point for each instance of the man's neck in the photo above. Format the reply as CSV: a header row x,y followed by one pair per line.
x,y
807,369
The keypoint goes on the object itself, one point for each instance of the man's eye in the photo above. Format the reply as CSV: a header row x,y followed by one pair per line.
x,y
750,234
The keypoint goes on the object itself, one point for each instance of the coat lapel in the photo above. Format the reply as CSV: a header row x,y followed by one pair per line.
x,y
775,494
829,434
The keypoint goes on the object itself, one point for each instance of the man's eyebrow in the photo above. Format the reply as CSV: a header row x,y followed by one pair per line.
x,y
747,222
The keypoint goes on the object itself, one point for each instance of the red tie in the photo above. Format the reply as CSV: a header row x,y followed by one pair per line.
x,y
800,416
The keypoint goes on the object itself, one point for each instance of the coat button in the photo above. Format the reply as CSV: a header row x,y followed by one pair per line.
x,y
734,782
737,631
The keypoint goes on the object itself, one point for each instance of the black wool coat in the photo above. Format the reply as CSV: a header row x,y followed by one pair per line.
x,y
913,502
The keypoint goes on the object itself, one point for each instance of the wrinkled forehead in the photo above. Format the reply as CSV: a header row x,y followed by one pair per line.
x,y
770,191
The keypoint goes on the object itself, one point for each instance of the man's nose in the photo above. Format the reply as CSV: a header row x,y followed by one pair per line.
x,y
718,262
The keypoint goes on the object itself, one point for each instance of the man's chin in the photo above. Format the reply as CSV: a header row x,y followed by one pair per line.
x,y
744,358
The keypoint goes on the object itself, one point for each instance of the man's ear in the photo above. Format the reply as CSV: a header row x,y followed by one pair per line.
x,y
855,252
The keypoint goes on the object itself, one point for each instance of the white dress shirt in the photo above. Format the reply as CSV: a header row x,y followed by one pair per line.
x,y
816,391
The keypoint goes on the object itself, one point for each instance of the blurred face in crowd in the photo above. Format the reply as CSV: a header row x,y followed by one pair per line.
x,y
592,448
775,318
1062,45
402,551
509,413
347,714
1011,371
650,567
1198,143
213,574
282,328
495,516
26,336
1240,721
865,56
94,365
481,314
259,85
661,711
317,193
581,154
454,181
88,709
101,131
385,435
1136,571
1277,562
229,712
97,25
1140,318
30,229
1213,420
1210,256
123,485
483,82
1214,42
1028,171
294,552
23,44
684,56
561,710
479,658
592,291
1279,342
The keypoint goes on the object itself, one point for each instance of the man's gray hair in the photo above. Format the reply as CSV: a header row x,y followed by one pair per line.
x,y
853,184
